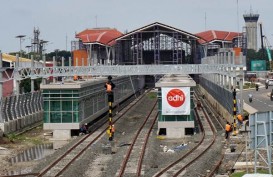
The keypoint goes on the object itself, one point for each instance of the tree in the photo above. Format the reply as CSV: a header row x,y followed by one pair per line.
x,y
25,85
59,54
253,55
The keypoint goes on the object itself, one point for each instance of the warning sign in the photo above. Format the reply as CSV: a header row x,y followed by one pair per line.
x,y
176,101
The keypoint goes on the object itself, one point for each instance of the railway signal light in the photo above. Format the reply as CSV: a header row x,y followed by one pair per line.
x,y
234,112
109,85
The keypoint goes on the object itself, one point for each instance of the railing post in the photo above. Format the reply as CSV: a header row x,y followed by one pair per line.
x,y
32,73
54,67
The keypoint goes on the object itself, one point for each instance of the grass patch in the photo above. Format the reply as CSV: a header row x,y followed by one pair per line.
x,y
248,85
238,174
24,139
152,95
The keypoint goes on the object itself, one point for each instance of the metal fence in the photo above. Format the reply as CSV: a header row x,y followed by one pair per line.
x,y
19,106
261,135
222,95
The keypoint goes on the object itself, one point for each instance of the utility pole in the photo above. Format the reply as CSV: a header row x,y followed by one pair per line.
x,y
41,48
20,38
28,47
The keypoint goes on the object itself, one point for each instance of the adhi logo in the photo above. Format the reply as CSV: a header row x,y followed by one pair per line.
x,y
176,97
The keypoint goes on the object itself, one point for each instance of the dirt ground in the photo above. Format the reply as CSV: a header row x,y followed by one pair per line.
x,y
13,144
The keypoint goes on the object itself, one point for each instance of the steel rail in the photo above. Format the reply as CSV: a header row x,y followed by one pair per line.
x,y
45,170
125,161
218,164
139,165
188,153
211,143
208,106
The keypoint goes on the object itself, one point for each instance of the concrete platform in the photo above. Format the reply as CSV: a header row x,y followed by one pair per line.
x,y
61,134
249,108
257,175
244,165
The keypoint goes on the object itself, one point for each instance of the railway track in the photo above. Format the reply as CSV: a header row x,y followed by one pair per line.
x,y
217,120
63,162
60,164
132,163
180,167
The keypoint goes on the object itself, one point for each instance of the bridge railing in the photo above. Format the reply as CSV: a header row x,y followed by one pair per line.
x,y
19,111
225,57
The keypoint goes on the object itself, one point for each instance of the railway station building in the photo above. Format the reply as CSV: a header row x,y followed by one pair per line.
x,y
176,108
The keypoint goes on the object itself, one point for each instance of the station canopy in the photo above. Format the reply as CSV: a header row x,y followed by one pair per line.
x,y
148,31
156,43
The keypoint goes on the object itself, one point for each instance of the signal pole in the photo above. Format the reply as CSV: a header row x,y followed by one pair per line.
x,y
234,112
109,89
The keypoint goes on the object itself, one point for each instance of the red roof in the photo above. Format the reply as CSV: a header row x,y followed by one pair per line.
x,y
99,35
212,35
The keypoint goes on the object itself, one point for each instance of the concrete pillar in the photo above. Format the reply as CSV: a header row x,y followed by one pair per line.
x,y
113,55
233,58
241,90
70,65
222,58
15,82
91,61
32,72
225,81
63,69
234,79
108,52
44,65
54,66
1,77
229,78
89,55
17,87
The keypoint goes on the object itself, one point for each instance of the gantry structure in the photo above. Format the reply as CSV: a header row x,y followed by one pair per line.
x,y
155,44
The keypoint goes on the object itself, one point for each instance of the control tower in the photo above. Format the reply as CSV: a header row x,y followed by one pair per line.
x,y
251,30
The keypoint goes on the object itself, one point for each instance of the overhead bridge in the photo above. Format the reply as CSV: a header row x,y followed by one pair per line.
x,y
121,70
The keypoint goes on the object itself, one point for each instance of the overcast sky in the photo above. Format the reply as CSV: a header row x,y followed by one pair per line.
x,y
59,20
